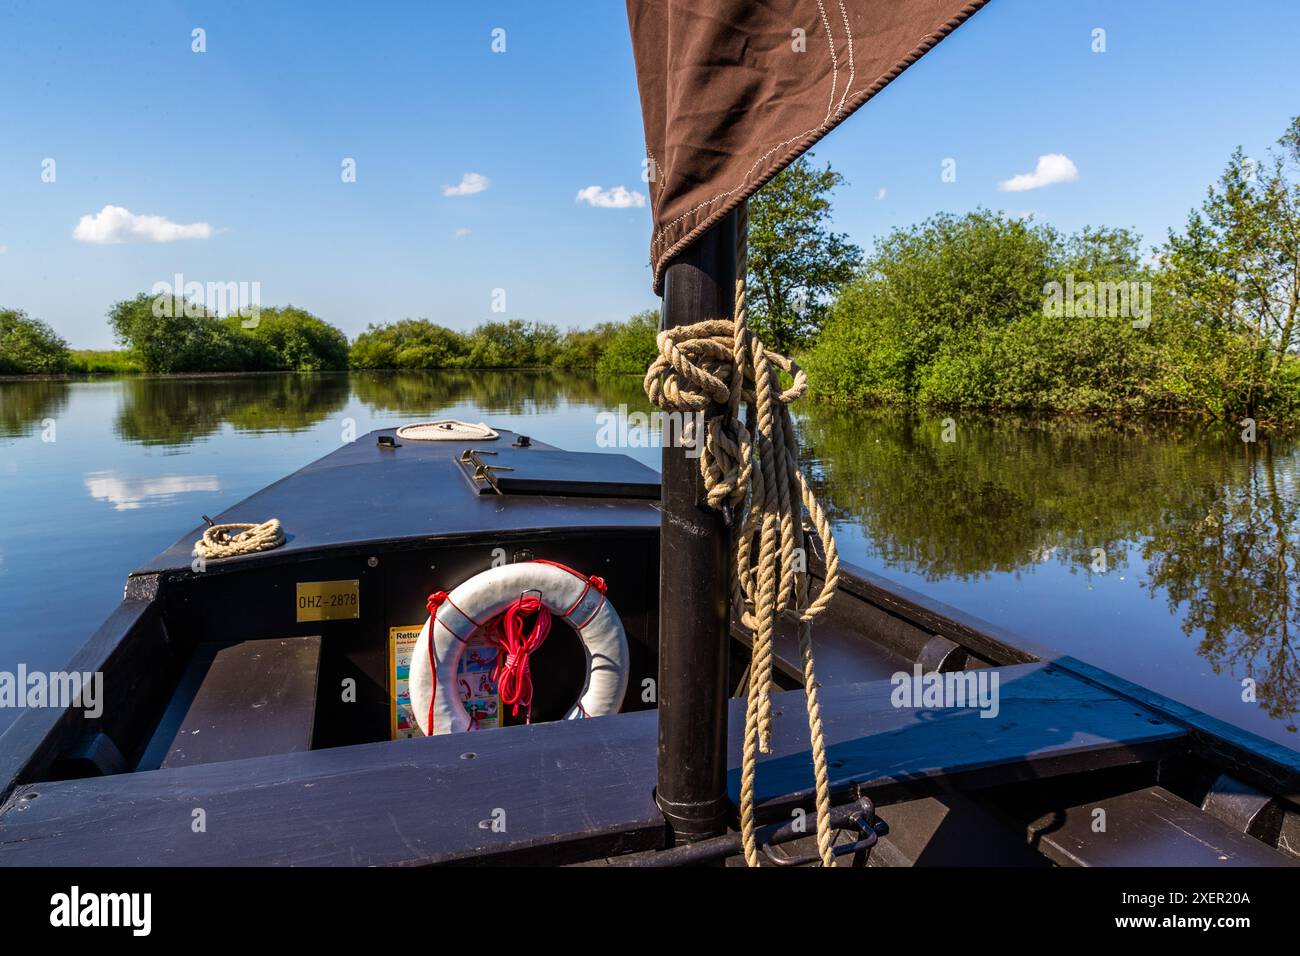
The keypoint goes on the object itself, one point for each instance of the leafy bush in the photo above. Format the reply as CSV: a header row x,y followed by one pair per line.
x,y
582,348
29,347
632,347
513,344
293,340
169,334
956,312
415,344
409,344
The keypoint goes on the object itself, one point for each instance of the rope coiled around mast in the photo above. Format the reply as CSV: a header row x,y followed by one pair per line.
x,y
751,472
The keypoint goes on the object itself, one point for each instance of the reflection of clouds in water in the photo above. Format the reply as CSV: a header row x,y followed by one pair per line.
x,y
128,494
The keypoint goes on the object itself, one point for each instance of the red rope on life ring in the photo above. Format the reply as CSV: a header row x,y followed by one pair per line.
x,y
434,602
513,673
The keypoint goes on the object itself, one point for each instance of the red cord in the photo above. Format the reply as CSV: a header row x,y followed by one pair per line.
x,y
434,602
513,674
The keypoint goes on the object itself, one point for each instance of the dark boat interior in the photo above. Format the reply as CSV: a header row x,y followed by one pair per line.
x,y
220,696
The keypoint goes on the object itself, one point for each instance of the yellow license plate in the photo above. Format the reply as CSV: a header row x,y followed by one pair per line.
x,y
329,600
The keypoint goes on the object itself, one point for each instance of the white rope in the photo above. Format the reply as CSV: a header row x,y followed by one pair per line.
x,y
446,429
229,540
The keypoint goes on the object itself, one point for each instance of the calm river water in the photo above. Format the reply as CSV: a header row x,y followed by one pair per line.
x,y
1163,552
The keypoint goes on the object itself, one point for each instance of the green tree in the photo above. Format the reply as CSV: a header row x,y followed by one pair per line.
x,y
290,339
513,344
1233,274
953,312
168,334
29,346
582,348
409,345
795,261
632,348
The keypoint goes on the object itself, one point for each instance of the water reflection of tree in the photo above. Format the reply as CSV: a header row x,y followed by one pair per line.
x,y
176,411
1008,492
1229,556
26,403
1217,524
491,392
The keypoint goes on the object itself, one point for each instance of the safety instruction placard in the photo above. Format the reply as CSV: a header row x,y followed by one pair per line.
x,y
328,600
473,679
474,674
401,645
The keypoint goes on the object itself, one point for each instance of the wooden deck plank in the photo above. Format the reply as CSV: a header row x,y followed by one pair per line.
x,y
1049,723
1148,827
405,802
1263,763
569,790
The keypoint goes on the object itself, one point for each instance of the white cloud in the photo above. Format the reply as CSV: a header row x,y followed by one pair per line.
x,y
129,493
470,184
462,232
620,197
3,250
1052,168
113,224
881,194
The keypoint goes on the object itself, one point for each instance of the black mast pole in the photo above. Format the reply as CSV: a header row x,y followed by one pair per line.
x,y
694,616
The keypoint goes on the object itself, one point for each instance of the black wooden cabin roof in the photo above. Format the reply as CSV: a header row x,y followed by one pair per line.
x,y
415,491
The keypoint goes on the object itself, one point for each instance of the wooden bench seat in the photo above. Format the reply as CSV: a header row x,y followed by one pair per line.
x,y
249,699
1148,827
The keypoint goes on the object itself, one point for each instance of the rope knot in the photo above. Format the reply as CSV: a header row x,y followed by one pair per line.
x,y
435,601
750,472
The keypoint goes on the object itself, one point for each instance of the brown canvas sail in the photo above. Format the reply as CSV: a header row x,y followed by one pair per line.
x,y
733,91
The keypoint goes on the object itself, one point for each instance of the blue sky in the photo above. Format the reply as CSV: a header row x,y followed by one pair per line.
x,y
248,139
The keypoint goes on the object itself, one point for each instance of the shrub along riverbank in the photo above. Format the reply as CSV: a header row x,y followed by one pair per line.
x,y
992,312
989,312
30,347
416,344
168,336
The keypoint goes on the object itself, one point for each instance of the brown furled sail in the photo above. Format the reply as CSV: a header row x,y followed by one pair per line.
x,y
733,91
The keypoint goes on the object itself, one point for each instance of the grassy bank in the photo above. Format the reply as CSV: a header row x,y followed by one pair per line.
x,y
102,362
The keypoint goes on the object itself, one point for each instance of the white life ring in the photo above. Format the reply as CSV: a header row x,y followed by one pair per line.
x,y
435,697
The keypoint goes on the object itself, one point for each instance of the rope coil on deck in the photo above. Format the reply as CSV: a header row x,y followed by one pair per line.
x,y
446,429
751,470
229,540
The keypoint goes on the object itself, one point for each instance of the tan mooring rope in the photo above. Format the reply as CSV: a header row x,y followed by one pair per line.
x,y
752,470
229,540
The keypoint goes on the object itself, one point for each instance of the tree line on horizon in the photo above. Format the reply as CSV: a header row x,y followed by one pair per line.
x,y
183,337
978,311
